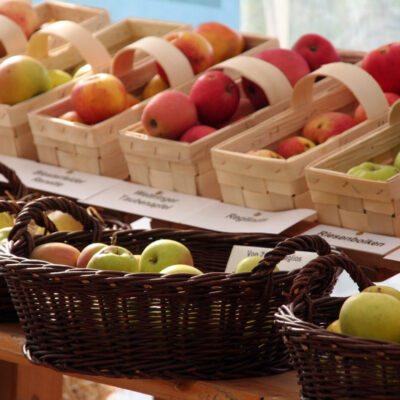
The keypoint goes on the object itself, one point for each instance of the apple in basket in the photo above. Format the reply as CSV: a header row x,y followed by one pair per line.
x,y
321,127
372,314
264,153
181,269
64,221
163,253
316,50
114,258
71,116
6,219
196,132
56,253
22,13
247,264
22,77
168,114
88,252
294,145
373,171
154,86
216,97
98,97
225,41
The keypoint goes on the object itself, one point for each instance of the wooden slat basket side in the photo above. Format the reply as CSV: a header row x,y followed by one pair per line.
x,y
354,203
186,167
276,184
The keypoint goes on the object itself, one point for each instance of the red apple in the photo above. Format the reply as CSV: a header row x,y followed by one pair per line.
x,y
264,153
255,94
216,97
359,112
294,145
168,114
291,63
323,126
196,132
225,41
88,252
131,100
244,108
56,253
22,13
98,97
71,116
195,47
316,50
383,64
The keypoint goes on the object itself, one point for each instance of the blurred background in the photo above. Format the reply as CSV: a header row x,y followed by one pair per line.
x,y
350,24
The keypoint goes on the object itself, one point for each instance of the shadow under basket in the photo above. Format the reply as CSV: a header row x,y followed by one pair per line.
x,y
332,365
212,326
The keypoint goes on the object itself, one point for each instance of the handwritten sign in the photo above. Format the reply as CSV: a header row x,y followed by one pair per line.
x,y
351,239
57,180
291,262
229,218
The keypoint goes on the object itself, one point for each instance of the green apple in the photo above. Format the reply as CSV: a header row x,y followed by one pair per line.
x,y
4,232
396,162
6,219
114,258
162,253
88,252
248,263
383,289
376,172
58,77
181,269
371,315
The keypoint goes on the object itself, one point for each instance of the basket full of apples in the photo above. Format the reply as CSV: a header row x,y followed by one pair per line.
x,y
357,187
342,347
263,167
159,299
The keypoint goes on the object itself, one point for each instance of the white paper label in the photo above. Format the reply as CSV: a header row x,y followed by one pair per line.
x,y
393,256
351,239
151,202
57,180
142,223
291,262
229,218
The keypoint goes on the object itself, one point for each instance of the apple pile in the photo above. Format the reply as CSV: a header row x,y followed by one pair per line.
x,y
372,314
375,171
214,101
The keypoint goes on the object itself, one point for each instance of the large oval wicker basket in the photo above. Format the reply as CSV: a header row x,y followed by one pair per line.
x,y
331,365
212,326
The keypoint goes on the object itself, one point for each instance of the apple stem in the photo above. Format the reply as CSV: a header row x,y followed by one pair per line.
x,y
153,123
114,239
313,48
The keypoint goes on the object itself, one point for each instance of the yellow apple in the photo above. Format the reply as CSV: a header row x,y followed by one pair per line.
x,y
82,70
154,86
6,219
64,221
58,77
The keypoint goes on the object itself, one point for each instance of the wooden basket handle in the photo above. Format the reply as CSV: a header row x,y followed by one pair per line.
x,y
364,87
271,80
394,113
14,185
175,64
289,246
91,49
12,37
314,278
36,210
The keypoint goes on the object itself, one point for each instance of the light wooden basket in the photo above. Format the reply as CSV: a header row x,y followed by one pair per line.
x,y
186,167
95,148
355,203
15,133
280,184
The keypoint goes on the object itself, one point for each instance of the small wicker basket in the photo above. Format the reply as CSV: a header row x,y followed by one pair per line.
x,y
331,365
212,326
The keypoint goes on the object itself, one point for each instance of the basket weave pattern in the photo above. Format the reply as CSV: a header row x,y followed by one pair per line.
x,y
331,365
212,326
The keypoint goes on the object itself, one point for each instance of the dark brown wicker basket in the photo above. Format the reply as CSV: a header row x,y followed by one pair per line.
x,y
212,326
13,188
331,365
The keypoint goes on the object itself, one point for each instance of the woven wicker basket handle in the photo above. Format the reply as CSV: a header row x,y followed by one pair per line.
x,y
289,246
12,37
12,207
175,64
269,78
90,48
364,87
14,186
36,210
314,278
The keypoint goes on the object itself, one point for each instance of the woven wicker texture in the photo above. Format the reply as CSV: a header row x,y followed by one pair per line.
x,y
331,365
13,188
211,326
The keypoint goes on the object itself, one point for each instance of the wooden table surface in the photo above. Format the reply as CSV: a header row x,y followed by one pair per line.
x,y
21,380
